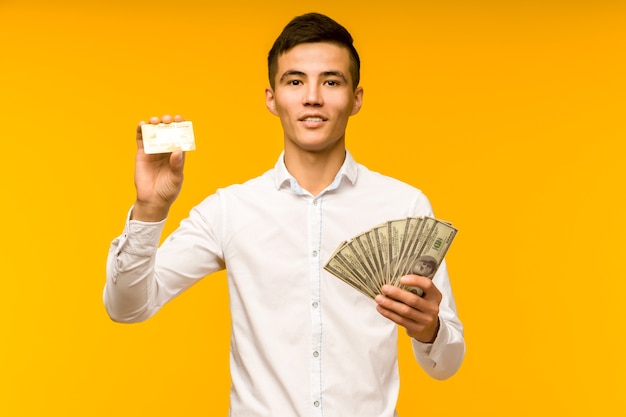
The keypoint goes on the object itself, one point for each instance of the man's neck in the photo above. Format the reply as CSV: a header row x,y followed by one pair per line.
x,y
315,171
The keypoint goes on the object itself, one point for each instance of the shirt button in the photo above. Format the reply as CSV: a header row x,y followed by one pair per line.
x,y
316,403
315,304
314,253
315,202
316,354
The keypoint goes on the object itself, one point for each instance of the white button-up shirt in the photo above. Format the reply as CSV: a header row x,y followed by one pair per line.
x,y
303,342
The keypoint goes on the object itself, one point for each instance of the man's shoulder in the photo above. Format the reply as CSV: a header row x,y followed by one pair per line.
x,y
398,197
252,185
248,191
370,177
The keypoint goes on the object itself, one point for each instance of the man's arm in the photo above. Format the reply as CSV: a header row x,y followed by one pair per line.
x,y
431,321
130,289
129,293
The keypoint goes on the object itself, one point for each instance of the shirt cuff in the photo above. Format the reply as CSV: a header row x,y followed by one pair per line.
x,y
140,238
431,350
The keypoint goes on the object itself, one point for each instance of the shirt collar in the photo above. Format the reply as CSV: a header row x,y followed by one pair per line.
x,y
283,177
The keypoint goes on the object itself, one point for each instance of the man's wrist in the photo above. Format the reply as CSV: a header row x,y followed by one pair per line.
x,y
146,212
433,337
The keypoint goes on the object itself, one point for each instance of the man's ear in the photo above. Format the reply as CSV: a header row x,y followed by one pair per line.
x,y
270,101
358,101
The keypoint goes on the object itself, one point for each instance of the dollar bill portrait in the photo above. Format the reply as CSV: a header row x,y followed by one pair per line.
x,y
425,266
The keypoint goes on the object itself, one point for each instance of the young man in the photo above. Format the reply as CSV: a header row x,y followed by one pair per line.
x,y
303,342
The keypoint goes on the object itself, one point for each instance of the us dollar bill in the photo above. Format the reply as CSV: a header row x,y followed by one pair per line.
x,y
415,246
426,262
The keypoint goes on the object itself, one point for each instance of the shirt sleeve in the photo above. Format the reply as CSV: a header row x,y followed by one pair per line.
x,y
442,358
141,277
128,271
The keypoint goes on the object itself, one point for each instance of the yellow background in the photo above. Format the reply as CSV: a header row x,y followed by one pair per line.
x,y
509,115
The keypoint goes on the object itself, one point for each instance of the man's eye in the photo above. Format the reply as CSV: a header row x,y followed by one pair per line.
x,y
295,82
332,83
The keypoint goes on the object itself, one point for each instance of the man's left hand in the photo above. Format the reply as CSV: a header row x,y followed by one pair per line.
x,y
418,315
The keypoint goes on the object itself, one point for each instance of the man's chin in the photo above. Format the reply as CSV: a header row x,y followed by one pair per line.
x,y
317,146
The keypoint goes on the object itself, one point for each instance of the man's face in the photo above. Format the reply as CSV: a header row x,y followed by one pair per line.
x,y
314,96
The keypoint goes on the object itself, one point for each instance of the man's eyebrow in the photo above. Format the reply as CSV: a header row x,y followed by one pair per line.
x,y
292,73
338,74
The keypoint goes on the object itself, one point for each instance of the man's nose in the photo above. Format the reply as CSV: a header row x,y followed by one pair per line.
x,y
313,95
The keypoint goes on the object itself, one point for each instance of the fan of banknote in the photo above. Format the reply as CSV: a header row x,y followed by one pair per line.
x,y
385,253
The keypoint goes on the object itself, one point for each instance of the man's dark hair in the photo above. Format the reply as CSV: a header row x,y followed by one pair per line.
x,y
310,28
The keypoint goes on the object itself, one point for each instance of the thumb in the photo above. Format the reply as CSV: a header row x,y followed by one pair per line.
x,y
177,161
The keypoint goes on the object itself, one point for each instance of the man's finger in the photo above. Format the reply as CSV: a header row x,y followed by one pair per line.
x,y
425,284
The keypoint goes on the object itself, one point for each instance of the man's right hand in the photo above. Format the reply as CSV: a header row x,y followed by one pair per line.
x,y
158,178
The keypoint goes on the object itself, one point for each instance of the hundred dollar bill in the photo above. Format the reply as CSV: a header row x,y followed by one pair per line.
x,y
346,272
410,238
380,238
168,137
355,262
414,247
370,242
398,230
335,268
360,247
427,261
